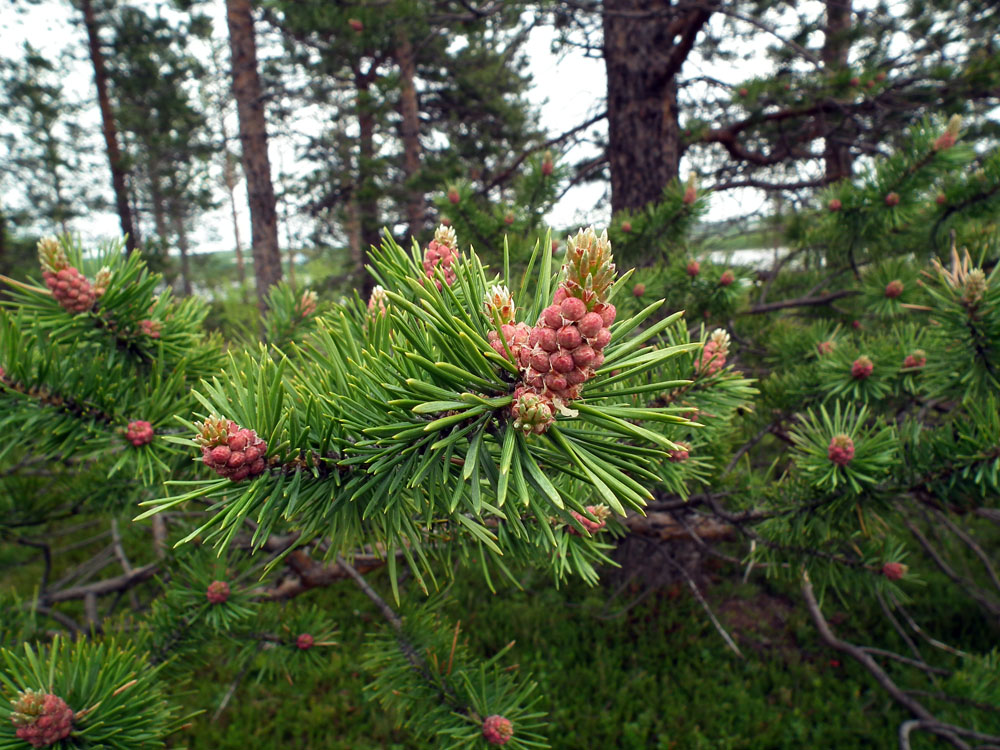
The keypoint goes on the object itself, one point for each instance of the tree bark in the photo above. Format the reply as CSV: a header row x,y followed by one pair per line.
x,y
118,180
645,44
836,47
253,139
410,132
367,193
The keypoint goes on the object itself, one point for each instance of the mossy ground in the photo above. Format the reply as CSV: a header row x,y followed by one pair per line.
x,y
655,676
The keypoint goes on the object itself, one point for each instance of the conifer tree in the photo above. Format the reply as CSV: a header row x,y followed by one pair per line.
x,y
501,418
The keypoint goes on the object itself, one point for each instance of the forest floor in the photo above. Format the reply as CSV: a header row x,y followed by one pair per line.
x,y
654,675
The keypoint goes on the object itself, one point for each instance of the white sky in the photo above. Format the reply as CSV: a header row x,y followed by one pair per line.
x,y
568,91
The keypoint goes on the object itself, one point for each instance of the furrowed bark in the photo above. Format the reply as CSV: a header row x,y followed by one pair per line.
x,y
253,139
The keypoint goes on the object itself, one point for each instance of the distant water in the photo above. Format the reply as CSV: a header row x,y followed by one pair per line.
x,y
753,257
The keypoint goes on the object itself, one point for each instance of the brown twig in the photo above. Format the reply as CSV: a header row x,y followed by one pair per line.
x,y
825,299
107,586
861,656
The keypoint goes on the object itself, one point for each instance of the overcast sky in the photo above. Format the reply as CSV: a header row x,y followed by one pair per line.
x,y
567,90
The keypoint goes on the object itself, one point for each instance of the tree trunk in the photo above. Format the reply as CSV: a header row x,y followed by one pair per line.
x,y
158,207
229,178
118,181
353,222
61,209
410,132
367,193
645,45
253,139
180,230
836,47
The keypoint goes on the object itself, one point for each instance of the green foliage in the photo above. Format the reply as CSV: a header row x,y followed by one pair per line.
x,y
116,696
874,448
821,449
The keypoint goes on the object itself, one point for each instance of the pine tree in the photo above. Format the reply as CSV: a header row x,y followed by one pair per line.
x,y
150,71
247,91
835,92
43,156
497,418
409,108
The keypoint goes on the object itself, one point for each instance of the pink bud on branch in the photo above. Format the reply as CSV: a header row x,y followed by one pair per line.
x,y
497,730
840,450
217,592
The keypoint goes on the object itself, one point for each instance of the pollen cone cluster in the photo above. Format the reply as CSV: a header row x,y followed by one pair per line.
x,y
441,252
41,719
566,346
713,355
234,452
69,287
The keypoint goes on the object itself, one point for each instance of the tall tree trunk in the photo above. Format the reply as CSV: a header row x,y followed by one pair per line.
x,y
133,202
158,207
118,181
836,47
645,45
353,226
229,179
61,209
253,138
367,192
410,131
180,230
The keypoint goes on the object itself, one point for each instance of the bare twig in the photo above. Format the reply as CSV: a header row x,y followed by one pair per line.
x,y
87,569
919,631
942,730
63,619
46,553
984,601
116,542
858,654
970,543
906,660
90,609
159,536
825,299
899,628
231,690
107,586
708,610
387,612
743,449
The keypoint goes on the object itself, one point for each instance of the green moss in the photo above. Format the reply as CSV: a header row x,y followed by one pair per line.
x,y
657,676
